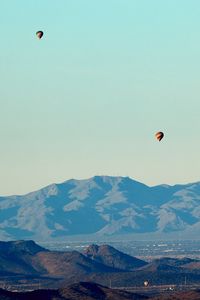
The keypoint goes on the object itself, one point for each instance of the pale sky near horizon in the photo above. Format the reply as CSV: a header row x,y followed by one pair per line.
x,y
88,98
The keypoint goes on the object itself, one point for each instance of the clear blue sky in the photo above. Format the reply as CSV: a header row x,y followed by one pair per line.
x,y
88,98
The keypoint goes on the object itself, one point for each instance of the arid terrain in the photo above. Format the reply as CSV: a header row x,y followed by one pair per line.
x,y
28,267
91,291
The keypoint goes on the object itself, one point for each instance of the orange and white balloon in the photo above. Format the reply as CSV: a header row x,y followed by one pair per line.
x,y
39,34
159,135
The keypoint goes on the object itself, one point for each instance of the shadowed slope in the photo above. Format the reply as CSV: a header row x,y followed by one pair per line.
x,y
110,256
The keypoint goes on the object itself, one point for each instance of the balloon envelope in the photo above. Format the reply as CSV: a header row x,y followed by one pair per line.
x,y
159,135
39,34
146,283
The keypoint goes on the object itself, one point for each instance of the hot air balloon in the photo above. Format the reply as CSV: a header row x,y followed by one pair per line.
x,y
146,283
159,135
39,34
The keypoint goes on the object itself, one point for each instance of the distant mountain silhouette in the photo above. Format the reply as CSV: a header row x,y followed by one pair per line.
x,y
100,206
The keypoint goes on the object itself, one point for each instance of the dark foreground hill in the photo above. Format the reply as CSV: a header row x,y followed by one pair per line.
x,y
26,257
15,257
92,291
186,295
25,261
79,291
111,257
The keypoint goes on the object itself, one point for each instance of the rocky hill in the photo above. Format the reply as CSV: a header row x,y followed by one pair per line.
x,y
15,257
111,257
28,258
25,261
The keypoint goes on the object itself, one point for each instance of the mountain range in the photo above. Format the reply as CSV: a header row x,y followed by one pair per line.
x,y
29,260
101,206
26,265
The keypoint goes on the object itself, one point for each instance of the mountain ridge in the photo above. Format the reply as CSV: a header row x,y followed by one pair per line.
x,y
102,206
31,264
